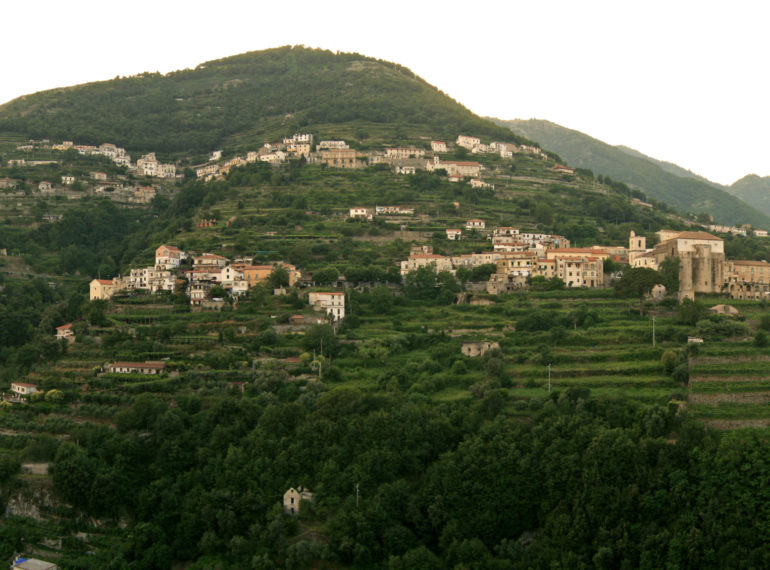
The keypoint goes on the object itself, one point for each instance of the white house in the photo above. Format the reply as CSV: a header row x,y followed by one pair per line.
x,y
404,152
149,165
454,234
332,302
358,212
479,183
23,388
149,367
475,224
438,146
168,257
65,332
468,142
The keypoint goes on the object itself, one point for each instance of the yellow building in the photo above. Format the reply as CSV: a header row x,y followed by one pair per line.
x,y
102,289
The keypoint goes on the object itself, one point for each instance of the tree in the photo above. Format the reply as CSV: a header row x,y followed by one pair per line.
x,y
463,274
544,213
279,277
326,275
637,282
380,299
320,338
669,273
690,312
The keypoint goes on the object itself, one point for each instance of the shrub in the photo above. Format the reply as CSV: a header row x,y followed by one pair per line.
x,y
669,360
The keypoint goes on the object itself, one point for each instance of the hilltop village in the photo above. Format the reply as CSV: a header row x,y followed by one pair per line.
x,y
518,256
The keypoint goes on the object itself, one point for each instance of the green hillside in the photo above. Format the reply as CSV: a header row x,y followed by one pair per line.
x,y
582,436
251,97
685,193
754,190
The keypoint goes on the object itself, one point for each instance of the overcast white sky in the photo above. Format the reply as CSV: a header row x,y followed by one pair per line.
x,y
681,81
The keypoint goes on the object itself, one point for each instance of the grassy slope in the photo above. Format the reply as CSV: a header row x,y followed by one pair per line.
x,y
687,194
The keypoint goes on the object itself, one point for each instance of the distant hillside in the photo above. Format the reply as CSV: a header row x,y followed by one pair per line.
x,y
670,167
754,190
686,192
240,98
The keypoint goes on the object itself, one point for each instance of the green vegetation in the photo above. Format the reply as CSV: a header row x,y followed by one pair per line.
x,y
238,100
686,193
581,437
753,190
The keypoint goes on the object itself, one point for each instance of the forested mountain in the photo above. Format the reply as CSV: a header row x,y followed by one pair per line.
x,y
254,95
754,190
669,184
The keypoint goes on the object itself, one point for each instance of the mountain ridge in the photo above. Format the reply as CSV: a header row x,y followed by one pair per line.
x,y
686,193
256,95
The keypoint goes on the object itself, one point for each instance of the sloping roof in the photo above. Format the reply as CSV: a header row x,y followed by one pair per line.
x,y
697,235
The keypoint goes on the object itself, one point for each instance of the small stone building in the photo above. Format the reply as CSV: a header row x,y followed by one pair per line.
x,y
478,348
728,310
292,499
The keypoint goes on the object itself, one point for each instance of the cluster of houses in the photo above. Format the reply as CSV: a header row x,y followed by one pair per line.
x,y
201,273
369,213
147,165
100,185
338,154
520,256
737,230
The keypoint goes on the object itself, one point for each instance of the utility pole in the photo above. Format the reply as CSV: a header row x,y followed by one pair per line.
x,y
549,378
653,331
356,495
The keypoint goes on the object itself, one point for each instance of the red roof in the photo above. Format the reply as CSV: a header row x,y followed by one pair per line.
x,y
105,281
25,384
456,163
64,327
